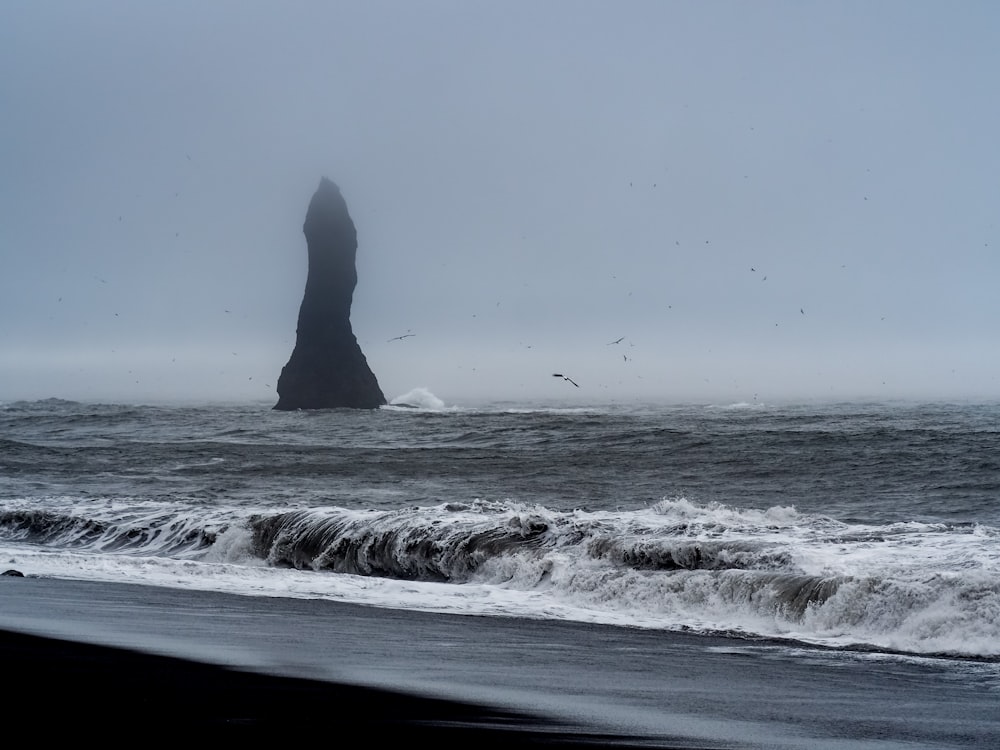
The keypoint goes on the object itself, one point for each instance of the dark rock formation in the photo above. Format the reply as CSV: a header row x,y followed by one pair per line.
x,y
327,369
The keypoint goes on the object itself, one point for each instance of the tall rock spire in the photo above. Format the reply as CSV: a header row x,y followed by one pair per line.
x,y
327,369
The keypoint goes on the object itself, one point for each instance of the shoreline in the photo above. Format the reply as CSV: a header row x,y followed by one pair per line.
x,y
83,681
150,654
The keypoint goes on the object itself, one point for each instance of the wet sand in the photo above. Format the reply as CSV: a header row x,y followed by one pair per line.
x,y
128,656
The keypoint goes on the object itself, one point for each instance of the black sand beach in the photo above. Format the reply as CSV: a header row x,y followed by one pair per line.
x,y
128,657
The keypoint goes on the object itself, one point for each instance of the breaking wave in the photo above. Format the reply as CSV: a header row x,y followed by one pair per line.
x,y
156,530
777,573
677,565
418,398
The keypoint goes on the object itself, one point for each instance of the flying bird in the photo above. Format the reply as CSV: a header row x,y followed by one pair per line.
x,y
404,336
616,341
560,375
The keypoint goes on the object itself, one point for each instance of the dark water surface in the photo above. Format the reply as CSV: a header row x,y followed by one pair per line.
x,y
867,527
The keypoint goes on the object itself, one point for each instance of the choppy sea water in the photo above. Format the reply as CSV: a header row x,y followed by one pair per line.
x,y
870,528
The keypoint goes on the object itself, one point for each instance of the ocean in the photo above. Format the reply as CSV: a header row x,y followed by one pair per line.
x,y
852,530
848,525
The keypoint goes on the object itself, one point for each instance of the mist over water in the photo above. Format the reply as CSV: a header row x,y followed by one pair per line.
x,y
756,241
775,202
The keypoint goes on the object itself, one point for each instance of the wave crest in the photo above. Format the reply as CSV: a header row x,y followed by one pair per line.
x,y
397,544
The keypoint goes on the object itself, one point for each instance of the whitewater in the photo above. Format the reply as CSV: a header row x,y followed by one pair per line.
x,y
868,528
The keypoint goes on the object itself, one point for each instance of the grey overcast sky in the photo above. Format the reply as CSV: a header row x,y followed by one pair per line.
x,y
780,200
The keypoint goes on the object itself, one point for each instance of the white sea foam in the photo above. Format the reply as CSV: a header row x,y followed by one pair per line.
x,y
419,398
916,588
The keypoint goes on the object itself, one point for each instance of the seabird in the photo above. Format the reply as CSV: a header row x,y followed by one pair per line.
x,y
560,375
616,341
404,336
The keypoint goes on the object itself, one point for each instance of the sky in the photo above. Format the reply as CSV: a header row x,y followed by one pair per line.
x,y
770,201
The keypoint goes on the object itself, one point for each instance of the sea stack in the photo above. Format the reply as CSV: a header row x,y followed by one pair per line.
x,y
327,369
